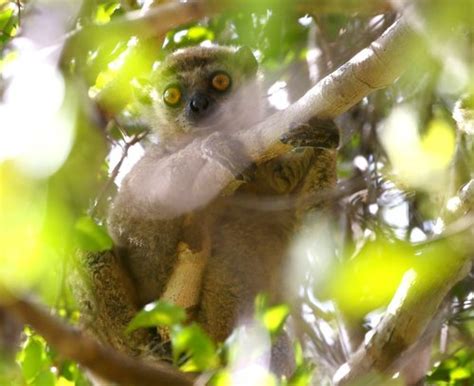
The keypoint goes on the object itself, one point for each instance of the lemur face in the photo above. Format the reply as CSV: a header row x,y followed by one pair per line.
x,y
201,89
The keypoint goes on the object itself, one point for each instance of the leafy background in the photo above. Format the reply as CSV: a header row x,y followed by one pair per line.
x,y
50,211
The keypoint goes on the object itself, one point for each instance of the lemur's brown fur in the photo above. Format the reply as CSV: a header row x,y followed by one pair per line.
x,y
246,248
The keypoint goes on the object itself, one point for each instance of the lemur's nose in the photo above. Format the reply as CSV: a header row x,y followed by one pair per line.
x,y
199,103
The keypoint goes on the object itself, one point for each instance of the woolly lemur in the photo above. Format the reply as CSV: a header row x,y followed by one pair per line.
x,y
195,93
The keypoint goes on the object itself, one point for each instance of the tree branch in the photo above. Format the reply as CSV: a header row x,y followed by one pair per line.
x,y
74,344
407,317
373,68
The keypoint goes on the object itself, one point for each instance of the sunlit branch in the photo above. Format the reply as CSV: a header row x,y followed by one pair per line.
x,y
407,318
373,68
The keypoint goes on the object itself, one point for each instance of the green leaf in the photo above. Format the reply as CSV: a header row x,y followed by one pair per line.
x,y
302,376
193,342
64,382
157,314
460,373
299,358
199,33
105,11
33,358
91,236
45,378
5,17
272,318
221,378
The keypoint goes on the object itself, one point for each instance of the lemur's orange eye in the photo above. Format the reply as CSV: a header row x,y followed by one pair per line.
x,y
172,96
221,81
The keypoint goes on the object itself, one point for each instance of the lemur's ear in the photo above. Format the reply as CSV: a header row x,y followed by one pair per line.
x,y
246,60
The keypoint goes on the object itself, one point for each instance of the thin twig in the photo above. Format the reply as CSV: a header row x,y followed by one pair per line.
x,y
103,192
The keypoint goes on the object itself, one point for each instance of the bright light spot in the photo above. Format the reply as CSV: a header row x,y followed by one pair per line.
x,y
368,336
150,306
278,95
206,43
453,204
312,252
40,91
312,57
361,163
419,162
398,215
417,235
341,372
135,152
178,36
454,77
376,20
305,20
252,375
36,131
258,54
438,226
373,209
327,331
117,64
249,355
374,317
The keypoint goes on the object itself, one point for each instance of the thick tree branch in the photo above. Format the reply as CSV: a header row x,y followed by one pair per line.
x,y
373,68
413,307
74,344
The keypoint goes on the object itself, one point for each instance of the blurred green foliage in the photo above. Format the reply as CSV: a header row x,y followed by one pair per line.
x,y
92,237
41,366
43,220
157,314
456,370
8,21
272,318
194,351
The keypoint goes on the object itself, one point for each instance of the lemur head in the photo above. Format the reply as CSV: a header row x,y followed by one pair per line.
x,y
202,89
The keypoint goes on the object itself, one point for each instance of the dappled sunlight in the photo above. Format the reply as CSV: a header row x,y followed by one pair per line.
x,y
431,152
312,255
116,154
26,256
278,95
369,280
37,131
353,241
249,355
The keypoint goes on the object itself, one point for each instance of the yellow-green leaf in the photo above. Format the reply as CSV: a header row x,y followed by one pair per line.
x,y
157,314
91,236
